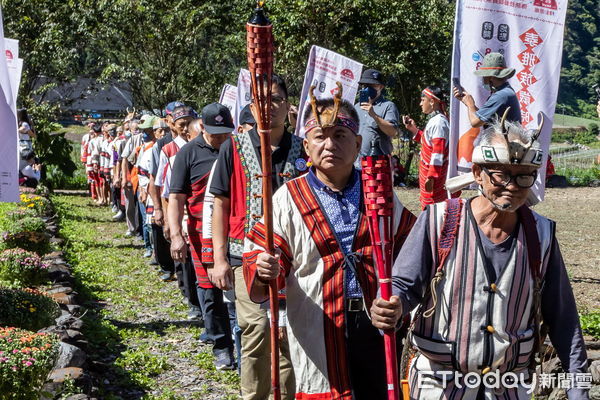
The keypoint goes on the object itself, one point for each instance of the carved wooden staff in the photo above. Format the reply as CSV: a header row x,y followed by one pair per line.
x,y
259,35
379,205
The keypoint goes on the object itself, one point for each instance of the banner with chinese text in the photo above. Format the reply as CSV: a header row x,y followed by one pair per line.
x,y
15,65
530,35
244,94
228,97
9,176
324,69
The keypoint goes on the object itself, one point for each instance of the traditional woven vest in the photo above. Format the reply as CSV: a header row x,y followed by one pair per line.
x,y
480,320
253,171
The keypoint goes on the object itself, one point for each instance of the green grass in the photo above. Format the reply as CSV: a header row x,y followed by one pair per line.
x,y
136,325
571,121
76,129
590,323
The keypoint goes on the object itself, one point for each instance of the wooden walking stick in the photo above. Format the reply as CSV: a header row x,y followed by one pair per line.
x,y
378,193
259,35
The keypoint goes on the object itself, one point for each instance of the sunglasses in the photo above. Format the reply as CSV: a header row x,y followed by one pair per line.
x,y
503,179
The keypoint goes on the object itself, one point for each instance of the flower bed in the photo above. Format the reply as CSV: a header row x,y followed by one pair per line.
x,y
26,358
22,229
22,225
41,205
22,268
27,309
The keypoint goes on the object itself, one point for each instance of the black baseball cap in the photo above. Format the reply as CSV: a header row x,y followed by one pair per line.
x,y
216,119
246,116
371,77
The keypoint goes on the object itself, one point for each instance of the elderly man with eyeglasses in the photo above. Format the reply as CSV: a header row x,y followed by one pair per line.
x,y
483,274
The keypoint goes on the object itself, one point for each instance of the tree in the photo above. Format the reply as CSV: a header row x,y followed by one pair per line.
x,y
174,50
410,42
53,39
581,59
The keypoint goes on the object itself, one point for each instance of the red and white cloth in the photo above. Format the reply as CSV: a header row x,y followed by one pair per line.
x,y
434,158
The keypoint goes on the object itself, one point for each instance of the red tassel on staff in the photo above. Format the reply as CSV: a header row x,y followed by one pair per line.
x,y
379,205
259,35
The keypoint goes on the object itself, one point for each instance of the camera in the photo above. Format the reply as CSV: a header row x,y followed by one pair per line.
x,y
596,88
366,94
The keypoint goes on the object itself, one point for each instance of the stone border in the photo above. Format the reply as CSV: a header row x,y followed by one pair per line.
x,y
72,361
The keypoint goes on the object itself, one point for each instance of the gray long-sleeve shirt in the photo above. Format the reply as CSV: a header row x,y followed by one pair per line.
x,y
411,275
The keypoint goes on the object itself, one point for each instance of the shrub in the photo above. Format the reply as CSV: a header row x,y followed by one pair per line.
x,y
26,359
580,176
26,231
593,129
561,135
21,268
585,137
32,241
590,324
27,309
58,179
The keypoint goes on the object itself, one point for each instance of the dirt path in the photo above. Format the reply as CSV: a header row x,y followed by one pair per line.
x,y
142,346
577,215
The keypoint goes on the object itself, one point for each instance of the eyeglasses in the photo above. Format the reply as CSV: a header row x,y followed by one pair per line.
x,y
277,100
503,179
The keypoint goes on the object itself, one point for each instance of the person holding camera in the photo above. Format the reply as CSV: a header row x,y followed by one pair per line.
x,y
30,175
26,136
495,76
378,116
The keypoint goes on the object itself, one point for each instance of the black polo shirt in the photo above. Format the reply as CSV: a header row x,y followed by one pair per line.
x,y
193,161
224,169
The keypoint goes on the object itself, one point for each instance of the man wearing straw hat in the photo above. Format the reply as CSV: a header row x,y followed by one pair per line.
x,y
495,76
483,274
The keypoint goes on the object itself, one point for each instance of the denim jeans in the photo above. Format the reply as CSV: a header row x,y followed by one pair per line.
x,y
144,225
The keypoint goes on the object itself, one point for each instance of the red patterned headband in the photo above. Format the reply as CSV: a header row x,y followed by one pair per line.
x,y
342,120
428,93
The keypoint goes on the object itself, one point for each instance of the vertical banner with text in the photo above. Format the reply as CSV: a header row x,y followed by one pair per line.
x,y
228,97
15,65
244,94
530,35
324,69
9,176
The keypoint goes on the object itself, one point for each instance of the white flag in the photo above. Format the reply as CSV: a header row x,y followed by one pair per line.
x,y
228,97
324,69
530,35
243,95
9,175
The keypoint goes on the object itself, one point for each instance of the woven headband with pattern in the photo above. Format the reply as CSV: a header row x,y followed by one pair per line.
x,y
342,120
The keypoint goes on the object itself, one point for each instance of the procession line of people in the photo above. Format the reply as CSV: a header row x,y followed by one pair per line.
x,y
473,278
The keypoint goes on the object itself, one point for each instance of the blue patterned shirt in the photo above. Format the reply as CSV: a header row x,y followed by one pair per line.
x,y
342,211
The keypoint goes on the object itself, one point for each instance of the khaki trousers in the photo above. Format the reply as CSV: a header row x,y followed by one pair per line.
x,y
256,348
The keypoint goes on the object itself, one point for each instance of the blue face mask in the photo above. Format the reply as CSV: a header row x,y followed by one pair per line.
x,y
146,137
